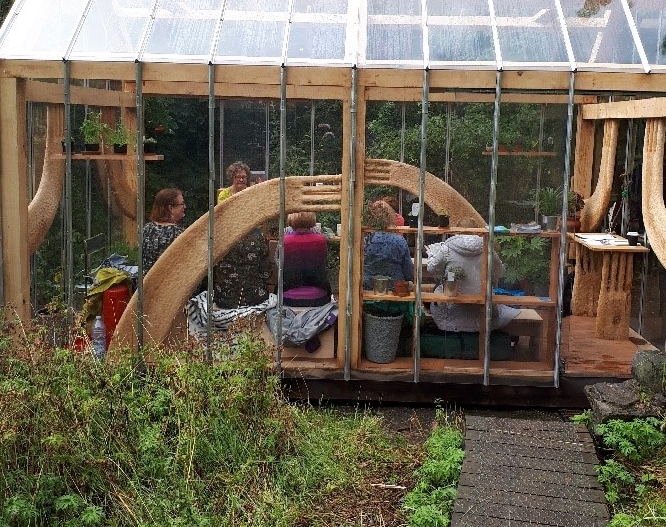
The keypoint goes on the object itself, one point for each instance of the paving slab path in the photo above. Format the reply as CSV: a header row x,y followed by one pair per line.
x,y
528,472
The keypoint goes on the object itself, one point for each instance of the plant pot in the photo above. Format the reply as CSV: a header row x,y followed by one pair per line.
x,y
450,288
413,221
119,149
573,225
91,148
64,147
549,223
443,220
149,148
381,335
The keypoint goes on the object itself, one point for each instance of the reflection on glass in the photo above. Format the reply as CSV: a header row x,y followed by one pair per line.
x,y
115,30
251,38
184,30
394,42
530,31
599,33
317,41
650,19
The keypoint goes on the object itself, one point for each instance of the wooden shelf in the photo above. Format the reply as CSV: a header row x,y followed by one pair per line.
x,y
458,299
117,157
369,295
524,153
524,301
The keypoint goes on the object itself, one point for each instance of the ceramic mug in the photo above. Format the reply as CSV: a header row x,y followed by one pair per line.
x,y
338,229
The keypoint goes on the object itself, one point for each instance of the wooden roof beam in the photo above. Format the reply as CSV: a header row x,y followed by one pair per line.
x,y
635,109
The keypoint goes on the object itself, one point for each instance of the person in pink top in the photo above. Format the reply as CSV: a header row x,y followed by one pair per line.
x,y
304,273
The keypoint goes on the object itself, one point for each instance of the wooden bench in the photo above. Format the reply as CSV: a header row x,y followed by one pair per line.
x,y
527,323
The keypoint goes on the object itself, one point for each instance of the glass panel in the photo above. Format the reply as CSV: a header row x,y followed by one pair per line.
x,y
530,31
599,34
395,7
43,29
461,43
394,42
114,29
317,41
458,9
184,29
650,18
257,5
320,6
251,38
460,32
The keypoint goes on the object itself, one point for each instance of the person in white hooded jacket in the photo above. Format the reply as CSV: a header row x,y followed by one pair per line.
x,y
465,251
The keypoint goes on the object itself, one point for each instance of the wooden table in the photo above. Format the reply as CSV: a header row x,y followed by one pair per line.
x,y
603,280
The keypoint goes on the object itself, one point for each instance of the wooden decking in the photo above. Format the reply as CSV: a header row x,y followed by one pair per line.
x,y
528,472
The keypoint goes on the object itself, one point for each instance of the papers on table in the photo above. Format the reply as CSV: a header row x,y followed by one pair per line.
x,y
600,238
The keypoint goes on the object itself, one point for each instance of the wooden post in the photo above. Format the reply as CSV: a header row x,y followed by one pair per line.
x,y
14,199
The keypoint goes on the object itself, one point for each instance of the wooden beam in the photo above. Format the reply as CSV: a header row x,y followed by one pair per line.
x,y
244,91
37,91
635,109
14,199
415,95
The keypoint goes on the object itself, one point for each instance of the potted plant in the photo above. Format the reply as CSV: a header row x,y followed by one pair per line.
x,y
149,145
91,129
452,275
526,263
119,137
548,202
575,204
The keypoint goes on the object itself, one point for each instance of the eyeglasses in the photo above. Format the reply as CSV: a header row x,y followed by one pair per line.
x,y
240,178
178,204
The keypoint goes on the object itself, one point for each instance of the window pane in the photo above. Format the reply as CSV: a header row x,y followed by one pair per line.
x,y
317,41
251,38
394,42
184,29
650,18
114,29
529,31
601,34
43,29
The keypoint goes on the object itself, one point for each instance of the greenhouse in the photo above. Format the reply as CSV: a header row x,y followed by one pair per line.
x,y
535,128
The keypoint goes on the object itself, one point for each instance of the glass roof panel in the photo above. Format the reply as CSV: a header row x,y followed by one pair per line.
x,y
460,32
183,28
530,31
41,29
394,31
600,34
317,41
259,39
321,6
112,29
650,19
257,5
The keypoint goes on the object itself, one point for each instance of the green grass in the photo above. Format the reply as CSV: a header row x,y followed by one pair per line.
x,y
187,443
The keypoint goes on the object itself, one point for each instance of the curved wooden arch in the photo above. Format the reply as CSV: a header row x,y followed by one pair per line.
x,y
438,195
596,205
169,282
46,201
654,211
123,189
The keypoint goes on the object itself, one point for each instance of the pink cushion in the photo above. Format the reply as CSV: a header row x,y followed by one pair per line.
x,y
305,292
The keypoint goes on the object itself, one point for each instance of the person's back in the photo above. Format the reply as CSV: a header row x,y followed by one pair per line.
x,y
465,251
304,278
